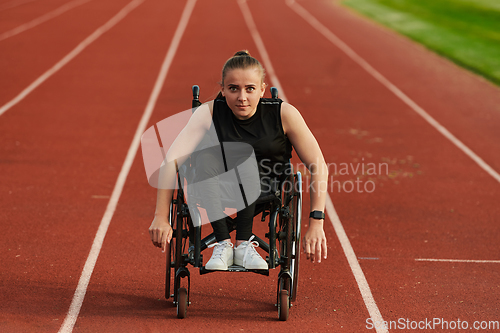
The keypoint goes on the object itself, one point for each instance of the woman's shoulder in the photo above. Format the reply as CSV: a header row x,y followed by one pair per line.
x,y
204,108
290,116
202,116
288,109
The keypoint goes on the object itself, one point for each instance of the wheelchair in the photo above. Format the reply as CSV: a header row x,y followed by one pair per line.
x,y
280,207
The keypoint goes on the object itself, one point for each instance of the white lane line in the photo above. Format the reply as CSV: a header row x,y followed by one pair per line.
x,y
460,260
70,56
363,286
379,77
42,19
14,3
262,49
81,289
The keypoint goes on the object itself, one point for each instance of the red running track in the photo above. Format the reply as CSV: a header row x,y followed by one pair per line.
x,y
63,146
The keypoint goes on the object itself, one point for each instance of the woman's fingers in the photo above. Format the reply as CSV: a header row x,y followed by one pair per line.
x,y
165,239
157,238
169,235
315,247
160,236
160,232
310,249
317,254
155,235
323,244
152,235
307,249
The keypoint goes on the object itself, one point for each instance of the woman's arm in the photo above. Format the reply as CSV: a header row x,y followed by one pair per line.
x,y
310,154
186,142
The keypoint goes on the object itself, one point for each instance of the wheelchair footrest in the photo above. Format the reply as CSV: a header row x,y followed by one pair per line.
x,y
236,268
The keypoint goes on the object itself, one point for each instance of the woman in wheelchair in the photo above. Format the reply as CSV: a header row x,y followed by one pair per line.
x,y
238,115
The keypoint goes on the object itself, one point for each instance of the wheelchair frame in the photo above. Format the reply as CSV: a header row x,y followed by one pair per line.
x,y
282,208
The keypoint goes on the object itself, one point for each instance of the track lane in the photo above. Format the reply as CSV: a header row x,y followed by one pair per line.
x,y
63,149
13,16
332,215
81,290
13,3
29,55
42,19
390,86
465,103
452,184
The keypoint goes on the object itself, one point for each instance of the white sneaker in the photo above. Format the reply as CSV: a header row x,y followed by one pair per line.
x,y
222,257
247,256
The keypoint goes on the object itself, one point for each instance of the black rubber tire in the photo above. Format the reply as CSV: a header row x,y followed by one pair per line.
x,y
182,303
283,305
177,246
179,229
168,274
297,225
286,226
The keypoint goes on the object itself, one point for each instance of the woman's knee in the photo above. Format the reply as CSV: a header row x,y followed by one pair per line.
x,y
208,165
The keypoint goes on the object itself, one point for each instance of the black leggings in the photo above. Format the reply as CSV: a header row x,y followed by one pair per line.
x,y
209,166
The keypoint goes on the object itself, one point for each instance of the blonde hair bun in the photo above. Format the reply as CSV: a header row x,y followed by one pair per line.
x,y
243,53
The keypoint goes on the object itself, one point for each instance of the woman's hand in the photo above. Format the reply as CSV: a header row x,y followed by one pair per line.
x,y
314,241
160,232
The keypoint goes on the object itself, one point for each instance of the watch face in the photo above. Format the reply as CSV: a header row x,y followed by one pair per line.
x,y
317,215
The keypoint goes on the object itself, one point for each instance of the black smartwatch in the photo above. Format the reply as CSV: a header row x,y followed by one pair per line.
x,y
317,215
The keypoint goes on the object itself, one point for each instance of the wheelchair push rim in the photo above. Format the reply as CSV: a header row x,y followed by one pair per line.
x,y
297,217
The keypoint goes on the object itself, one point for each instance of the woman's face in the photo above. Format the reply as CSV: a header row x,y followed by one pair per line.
x,y
243,89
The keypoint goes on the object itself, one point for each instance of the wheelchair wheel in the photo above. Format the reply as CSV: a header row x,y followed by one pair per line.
x,y
182,303
178,230
179,242
168,275
170,252
297,224
283,305
290,227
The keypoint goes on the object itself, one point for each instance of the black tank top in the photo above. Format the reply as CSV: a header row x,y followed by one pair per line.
x,y
263,131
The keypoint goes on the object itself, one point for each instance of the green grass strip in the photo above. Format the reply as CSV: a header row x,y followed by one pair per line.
x,y
465,31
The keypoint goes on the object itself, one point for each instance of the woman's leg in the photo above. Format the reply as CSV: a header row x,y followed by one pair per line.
x,y
239,187
244,223
209,165
251,187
